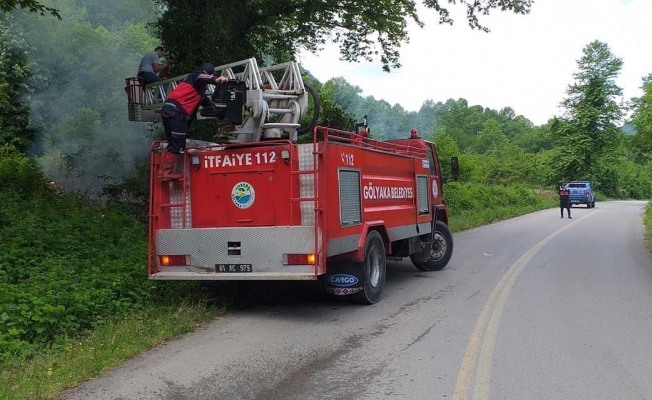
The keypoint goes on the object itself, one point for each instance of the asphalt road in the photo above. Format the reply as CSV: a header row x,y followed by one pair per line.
x,y
536,307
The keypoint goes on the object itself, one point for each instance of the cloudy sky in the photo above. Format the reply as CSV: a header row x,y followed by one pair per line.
x,y
526,62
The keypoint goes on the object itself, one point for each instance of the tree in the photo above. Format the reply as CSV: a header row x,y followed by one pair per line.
x,y
461,122
641,143
78,104
446,148
16,132
30,5
491,136
535,140
507,165
331,112
589,134
228,30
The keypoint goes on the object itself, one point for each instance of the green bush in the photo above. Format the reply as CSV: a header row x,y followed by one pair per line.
x,y
474,204
67,263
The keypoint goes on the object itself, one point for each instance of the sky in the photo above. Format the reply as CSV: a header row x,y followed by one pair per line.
x,y
526,62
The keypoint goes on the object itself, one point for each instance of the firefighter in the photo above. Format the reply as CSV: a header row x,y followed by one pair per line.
x,y
180,109
564,201
149,67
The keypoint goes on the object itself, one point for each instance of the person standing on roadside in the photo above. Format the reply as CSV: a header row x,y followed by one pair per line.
x,y
564,201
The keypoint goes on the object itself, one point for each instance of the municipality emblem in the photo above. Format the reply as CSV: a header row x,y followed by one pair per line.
x,y
243,195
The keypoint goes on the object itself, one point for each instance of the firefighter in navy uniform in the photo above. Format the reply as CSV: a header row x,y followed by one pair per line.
x,y
180,109
564,201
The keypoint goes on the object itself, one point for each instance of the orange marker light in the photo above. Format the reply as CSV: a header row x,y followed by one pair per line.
x,y
300,259
167,261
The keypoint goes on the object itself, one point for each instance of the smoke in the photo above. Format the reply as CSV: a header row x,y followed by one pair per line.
x,y
79,107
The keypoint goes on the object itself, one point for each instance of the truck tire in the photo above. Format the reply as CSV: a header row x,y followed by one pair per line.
x,y
374,270
441,251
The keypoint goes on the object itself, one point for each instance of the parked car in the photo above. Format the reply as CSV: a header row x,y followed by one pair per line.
x,y
581,192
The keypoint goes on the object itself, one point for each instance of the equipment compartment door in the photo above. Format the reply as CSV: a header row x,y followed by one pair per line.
x,y
249,198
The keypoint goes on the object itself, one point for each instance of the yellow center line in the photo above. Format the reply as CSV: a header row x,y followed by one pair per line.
x,y
486,328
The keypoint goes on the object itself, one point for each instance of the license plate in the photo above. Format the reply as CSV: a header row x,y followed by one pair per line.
x,y
233,268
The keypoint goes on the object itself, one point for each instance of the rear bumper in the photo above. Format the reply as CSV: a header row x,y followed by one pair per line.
x,y
580,200
195,276
263,249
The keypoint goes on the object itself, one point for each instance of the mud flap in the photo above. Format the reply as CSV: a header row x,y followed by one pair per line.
x,y
343,279
427,241
434,223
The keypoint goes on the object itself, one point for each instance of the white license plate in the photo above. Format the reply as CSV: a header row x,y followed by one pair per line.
x,y
233,268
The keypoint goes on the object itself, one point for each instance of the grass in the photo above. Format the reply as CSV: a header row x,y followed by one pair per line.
x,y
471,205
648,223
47,375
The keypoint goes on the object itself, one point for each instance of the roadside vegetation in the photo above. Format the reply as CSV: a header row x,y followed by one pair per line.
x,y
648,224
74,297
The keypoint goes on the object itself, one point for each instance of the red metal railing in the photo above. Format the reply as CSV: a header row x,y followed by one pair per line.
x,y
413,148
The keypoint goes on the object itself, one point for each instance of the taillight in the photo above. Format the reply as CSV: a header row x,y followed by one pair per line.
x,y
167,261
299,259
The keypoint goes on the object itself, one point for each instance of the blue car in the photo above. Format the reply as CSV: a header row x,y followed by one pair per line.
x,y
581,192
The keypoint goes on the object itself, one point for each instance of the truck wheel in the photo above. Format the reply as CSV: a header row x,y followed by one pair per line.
x,y
374,270
441,251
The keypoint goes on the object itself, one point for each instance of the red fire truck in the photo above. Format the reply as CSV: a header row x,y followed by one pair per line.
x,y
257,205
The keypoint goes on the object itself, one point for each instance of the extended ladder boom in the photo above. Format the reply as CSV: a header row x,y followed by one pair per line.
x,y
259,94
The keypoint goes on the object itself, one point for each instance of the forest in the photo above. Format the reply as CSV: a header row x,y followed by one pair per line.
x,y
74,170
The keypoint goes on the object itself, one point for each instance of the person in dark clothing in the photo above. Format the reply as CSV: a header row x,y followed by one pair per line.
x,y
564,201
180,109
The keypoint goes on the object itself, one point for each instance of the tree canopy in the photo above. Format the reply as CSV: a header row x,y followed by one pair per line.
x,y
15,73
30,5
589,133
224,31
642,121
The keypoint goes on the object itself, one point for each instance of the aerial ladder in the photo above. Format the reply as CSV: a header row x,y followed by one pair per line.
x,y
257,103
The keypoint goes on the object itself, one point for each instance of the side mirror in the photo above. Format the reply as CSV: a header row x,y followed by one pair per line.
x,y
455,168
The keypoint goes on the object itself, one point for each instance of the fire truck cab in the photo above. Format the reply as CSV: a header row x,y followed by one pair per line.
x,y
261,206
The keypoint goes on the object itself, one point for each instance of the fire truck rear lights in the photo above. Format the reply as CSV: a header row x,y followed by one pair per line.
x,y
299,259
285,154
195,162
167,260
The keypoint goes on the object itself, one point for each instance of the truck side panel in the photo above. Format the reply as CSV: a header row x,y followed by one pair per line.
x,y
373,186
